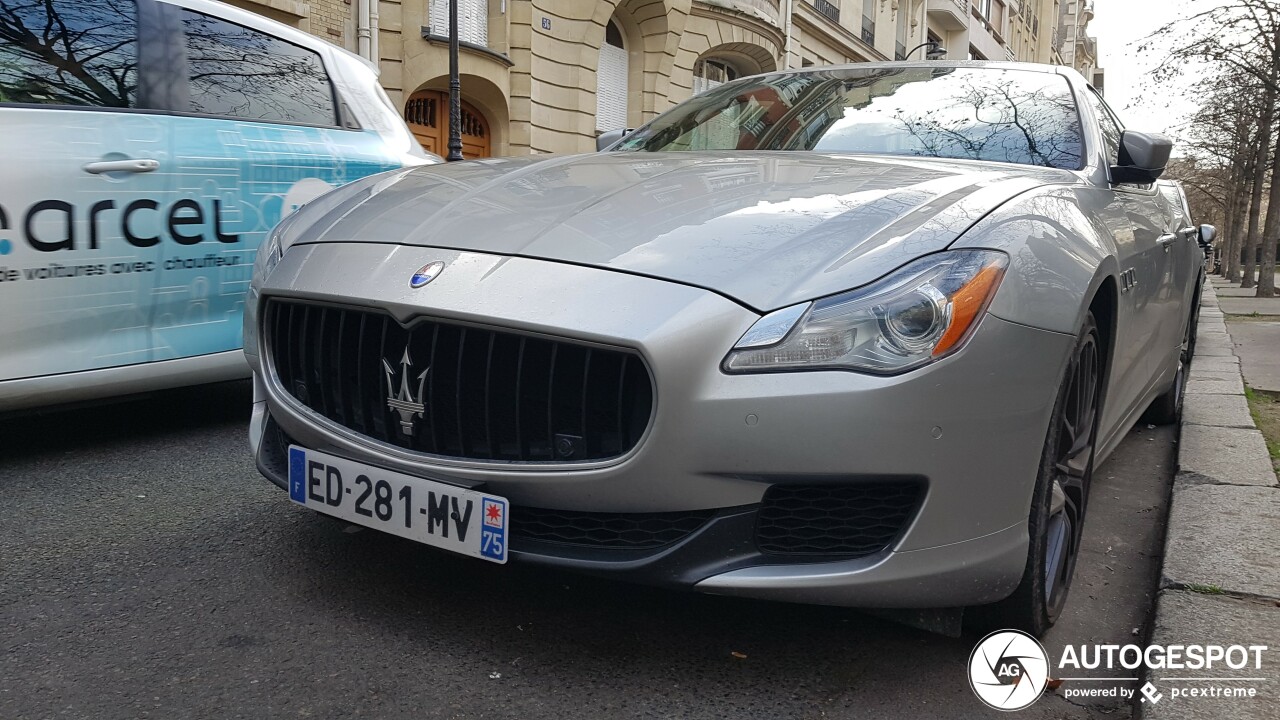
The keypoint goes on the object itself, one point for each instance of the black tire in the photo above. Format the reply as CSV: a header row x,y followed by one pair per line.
x,y
1056,523
1167,408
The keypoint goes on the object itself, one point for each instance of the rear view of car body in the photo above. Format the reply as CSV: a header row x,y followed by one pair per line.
x,y
137,191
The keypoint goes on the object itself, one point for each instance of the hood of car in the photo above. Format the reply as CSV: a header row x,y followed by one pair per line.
x,y
766,229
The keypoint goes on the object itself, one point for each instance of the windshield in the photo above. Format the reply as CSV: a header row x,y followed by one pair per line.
x,y
974,113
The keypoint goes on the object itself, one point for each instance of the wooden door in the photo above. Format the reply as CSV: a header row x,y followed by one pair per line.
x,y
427,114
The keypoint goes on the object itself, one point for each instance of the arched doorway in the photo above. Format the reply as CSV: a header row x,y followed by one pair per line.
x,y
611,81
427,114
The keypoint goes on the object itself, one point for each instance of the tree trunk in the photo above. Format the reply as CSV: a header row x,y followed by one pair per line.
x,y
1255,202
1271,235
1240,236
1230,226
1267,273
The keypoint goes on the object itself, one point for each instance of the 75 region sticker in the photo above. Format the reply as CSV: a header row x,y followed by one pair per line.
x,y
493,532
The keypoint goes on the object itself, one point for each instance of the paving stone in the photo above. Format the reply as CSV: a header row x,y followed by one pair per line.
x,y
1216,364
1225,375
1225,536
1227,455
1187,618
1216,387
1214,350
1220,410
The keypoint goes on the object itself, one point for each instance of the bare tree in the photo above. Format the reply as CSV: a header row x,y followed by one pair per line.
x,y
1240,41
68,53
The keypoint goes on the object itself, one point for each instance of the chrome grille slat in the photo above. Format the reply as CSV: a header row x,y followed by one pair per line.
x,y
488,394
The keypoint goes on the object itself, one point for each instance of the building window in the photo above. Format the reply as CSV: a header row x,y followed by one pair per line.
x,y
473,20
984,8
69,53
869,22
711,72
611,81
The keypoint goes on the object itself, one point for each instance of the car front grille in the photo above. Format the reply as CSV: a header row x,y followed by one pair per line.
x,y
459,391
629,531
835,520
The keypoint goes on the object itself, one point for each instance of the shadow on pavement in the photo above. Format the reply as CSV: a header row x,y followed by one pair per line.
x,y
70,427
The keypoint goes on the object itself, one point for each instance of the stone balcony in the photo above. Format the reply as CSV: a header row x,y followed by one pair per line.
x,y
765,10
950,14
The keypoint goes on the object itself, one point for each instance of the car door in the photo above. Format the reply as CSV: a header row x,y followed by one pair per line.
x,y
88,170
1188,256
258,131
1153,271
1136,223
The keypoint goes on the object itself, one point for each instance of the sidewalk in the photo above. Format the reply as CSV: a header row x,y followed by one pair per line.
x,y
1255,330
1220,583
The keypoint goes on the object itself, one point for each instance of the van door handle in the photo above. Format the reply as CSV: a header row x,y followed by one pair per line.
x,y
127,166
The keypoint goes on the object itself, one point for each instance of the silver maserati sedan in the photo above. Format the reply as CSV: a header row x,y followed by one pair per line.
x,y
853,336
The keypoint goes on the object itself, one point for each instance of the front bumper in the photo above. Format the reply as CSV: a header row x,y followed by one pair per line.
x,y
970,429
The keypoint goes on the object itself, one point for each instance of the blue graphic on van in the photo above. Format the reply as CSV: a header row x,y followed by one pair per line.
x,y
103,269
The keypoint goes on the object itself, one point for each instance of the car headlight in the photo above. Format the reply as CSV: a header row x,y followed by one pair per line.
x,y
915,315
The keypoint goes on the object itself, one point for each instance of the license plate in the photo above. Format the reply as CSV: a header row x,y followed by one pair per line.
x,y
443,516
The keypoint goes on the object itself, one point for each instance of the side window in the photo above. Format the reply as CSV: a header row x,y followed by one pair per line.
x,y
1107,122
242,73
69,52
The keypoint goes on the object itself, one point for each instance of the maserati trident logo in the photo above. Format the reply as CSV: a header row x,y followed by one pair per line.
x,y
426,274
403,401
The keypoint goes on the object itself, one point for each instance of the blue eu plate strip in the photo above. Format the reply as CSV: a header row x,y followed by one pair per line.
x,y
297,475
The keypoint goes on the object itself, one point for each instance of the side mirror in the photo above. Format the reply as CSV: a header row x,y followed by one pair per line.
x,y
1208,234
606,140
1143,157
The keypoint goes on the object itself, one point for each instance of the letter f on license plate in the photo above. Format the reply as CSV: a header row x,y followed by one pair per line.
x,y
433,513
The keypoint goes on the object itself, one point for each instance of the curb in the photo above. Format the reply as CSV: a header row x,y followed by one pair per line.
x,y
1220,579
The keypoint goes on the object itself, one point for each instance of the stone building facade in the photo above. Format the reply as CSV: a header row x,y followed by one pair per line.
x,y
547,76
1075,46
544,76
1017,30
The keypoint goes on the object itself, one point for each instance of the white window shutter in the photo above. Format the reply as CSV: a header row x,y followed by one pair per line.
x,y
473,20
611,88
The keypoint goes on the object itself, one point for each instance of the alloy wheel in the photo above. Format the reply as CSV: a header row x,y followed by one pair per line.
x,y
1073,469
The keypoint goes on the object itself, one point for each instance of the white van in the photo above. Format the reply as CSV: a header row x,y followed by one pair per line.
x,y
146,148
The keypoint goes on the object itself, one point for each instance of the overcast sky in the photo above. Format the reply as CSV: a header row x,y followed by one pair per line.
x,y
1122,25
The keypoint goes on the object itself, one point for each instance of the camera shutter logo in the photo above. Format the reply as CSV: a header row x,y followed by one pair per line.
x,y
1008,670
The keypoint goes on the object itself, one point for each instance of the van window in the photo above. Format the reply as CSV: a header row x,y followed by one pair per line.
x,y
69,52
242,73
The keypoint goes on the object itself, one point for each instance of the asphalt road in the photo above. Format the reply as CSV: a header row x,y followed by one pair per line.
x,y
146,571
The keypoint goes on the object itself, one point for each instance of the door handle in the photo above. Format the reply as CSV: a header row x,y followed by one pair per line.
x,y
1166,241
127,166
